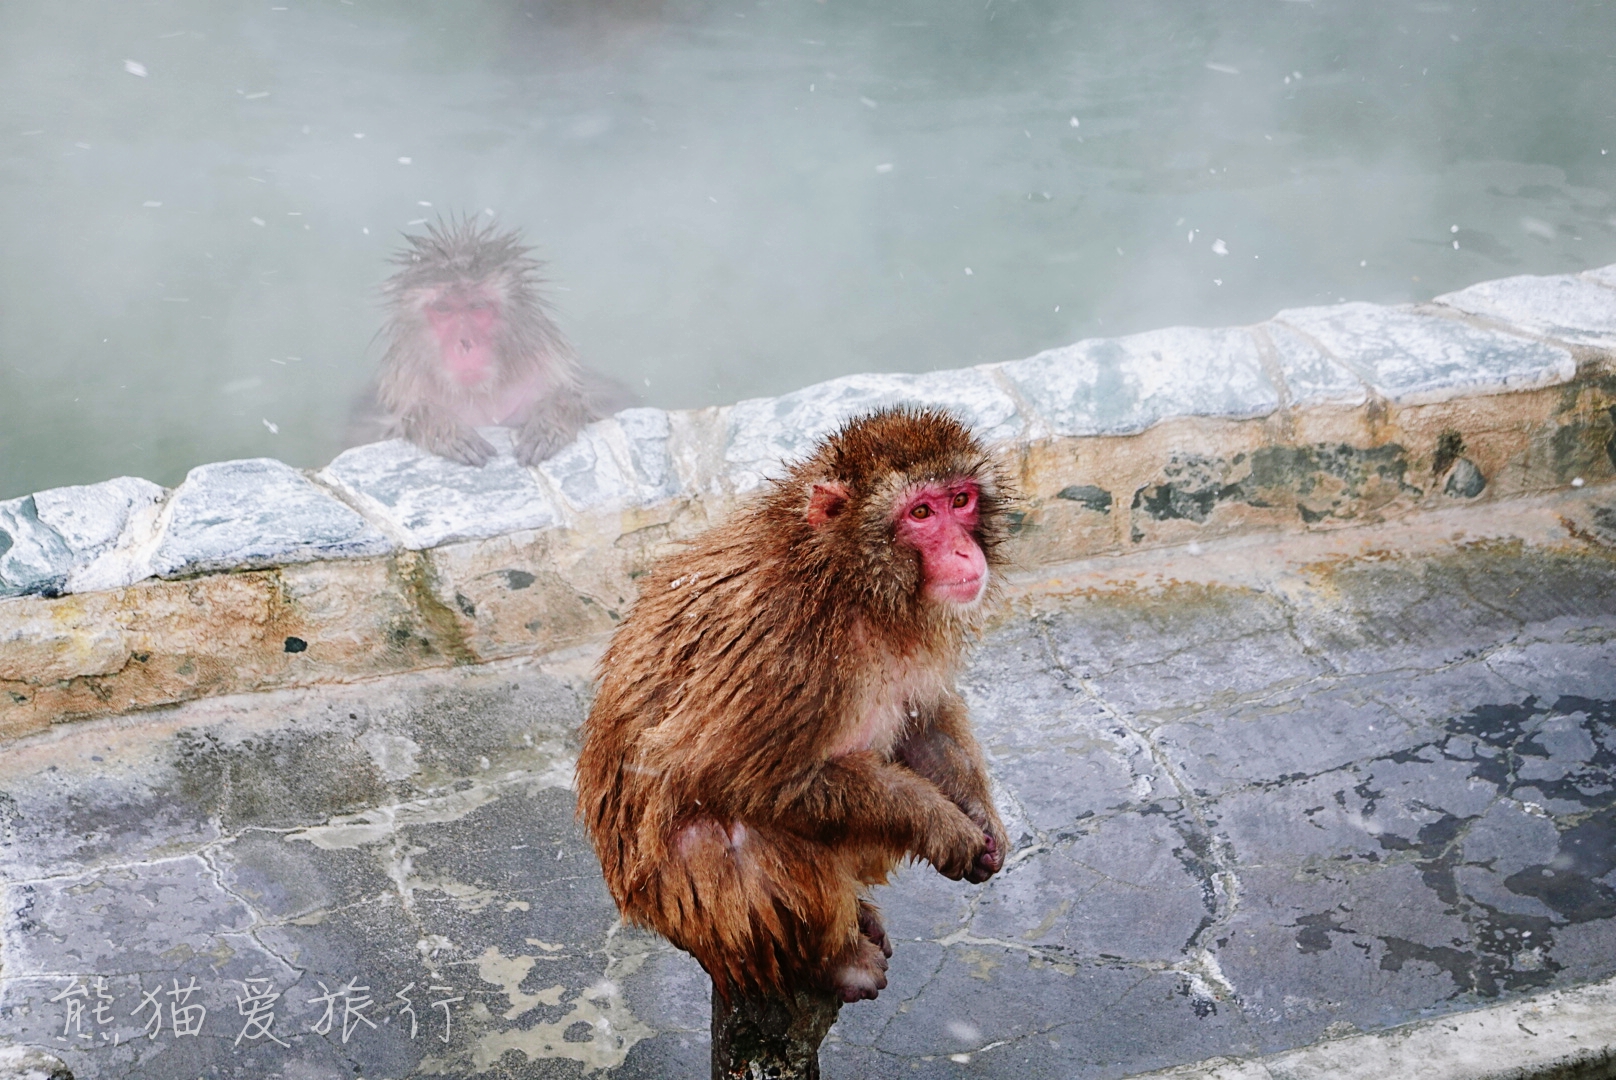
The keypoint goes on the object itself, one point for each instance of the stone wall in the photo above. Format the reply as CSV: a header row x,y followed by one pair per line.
x,y
252,574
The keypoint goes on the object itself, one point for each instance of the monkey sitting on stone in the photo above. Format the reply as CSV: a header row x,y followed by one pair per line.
x,y
470,343
777,724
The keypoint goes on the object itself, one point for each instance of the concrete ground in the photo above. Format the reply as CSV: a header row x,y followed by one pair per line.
x,y
1276,791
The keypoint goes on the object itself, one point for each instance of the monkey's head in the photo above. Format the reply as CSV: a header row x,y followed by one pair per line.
x,y
465,282
906,507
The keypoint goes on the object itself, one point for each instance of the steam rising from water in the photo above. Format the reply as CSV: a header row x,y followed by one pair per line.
x,y
197,199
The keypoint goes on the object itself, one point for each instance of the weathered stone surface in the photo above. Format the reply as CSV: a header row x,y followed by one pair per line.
x,y
91,518
619,462
1311,377
1554,1036
1604,275
162,642
1110,386
765,432
109,528
22,1063
427,500
1410,357
237,515
1279,485
33,558
526,593
1259,798
1565,307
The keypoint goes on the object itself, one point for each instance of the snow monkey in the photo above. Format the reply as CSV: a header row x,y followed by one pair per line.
x,y
777,725
470,343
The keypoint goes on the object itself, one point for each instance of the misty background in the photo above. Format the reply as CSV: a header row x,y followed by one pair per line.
x,y
198,198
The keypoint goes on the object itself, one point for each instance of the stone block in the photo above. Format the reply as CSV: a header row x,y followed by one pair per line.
x,y
251,514
1565,306
1311,376
1604,275
766,432
109,530
33,558
514,595
619,462
1410,357
428,500
91,518
1114,386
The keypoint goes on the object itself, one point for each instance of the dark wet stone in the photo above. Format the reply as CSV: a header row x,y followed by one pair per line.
x,y
1094,498
1465,481
1326,480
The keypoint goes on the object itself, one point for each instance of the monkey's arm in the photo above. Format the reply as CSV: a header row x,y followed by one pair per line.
x,y
945,752
440,432
863,797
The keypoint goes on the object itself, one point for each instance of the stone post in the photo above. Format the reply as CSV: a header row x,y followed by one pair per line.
x,y
771,1038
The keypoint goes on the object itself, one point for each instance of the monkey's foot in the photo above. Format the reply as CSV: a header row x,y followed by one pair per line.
x,y
869,918
864,975
988,863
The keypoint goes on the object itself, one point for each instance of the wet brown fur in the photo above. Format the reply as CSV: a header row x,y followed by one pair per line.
x,y
727,699
415,397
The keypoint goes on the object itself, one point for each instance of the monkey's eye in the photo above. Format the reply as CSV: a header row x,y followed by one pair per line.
x,y
920,512
961,499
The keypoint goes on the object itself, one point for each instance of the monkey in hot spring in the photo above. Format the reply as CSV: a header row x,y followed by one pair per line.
x,y
470,343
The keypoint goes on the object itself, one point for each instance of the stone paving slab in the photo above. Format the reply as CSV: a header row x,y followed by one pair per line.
x,y
1263,793
1559,1035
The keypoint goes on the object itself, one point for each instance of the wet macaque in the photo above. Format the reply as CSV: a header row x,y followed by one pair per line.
x,y
777,725
470,343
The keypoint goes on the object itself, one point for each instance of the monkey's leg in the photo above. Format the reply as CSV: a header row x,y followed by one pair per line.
x,y
767,911
944,751
441,433
871,926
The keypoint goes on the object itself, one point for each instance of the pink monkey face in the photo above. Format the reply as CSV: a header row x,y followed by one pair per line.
x,y
465,325
939,521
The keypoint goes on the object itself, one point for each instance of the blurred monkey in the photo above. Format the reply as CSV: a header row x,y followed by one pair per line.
x,y
470,343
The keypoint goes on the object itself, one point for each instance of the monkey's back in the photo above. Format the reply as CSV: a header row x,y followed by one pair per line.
x,y
715,694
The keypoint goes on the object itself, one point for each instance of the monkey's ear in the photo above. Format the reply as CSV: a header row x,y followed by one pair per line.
x,y
827,500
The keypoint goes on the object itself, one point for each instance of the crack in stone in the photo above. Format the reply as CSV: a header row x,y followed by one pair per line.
x,y
1220,878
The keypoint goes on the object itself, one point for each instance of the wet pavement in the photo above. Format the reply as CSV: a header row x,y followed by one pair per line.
x,y
1275,791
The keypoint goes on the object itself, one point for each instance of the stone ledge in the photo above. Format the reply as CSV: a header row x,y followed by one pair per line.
x,y
252,574
1563,1035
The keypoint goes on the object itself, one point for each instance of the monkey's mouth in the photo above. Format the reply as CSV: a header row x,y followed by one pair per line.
x,y
965,591
469,362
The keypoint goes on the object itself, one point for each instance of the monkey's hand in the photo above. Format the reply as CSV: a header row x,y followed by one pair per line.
x,y
554,423
960,848
991,861
440,433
